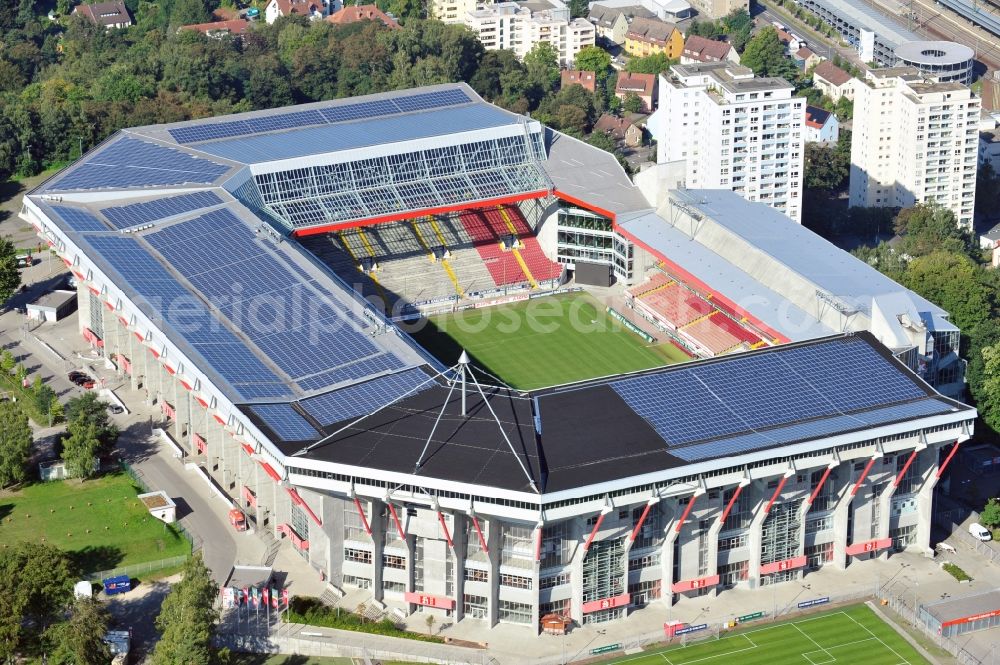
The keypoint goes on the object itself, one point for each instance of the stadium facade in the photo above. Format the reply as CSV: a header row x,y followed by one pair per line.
x,y
207,257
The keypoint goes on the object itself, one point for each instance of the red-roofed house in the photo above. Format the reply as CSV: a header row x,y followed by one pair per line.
x,y
219,29
619,129
107,14
703,49
821,126
356,13
791,41
641,85
275,9
833,81
579,77
806,58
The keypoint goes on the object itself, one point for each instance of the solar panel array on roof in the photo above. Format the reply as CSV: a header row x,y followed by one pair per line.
x,y
136,214
285,421
167,298
80,220
134,163
330,115
363,398
304,334
703,402
743,443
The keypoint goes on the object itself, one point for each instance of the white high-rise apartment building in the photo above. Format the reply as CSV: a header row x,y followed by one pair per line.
x,y
725,129
915,140
518,26
453,11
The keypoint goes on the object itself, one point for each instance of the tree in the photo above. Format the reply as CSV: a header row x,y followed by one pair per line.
x,y
765,55
929,227
632,103
988,400
10,276
15,444
951,281
655,63
594,59
987,189
429,620
37,582
187,620
989,516
80,448
43,396
739,27
542,63
823,168
94,411
80,641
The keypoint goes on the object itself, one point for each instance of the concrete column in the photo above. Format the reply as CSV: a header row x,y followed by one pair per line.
x,y
929,463
841,513
494,542
377,524
756,529
577,534
713,550
885,514
460,527
332,513
82,307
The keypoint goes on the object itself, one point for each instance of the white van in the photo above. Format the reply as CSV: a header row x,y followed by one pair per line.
x,y
980,532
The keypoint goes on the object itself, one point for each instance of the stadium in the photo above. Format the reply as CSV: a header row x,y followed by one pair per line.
x,y
753,404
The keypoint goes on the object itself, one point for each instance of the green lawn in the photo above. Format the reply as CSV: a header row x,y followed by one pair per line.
x,y
851,636
544,341
100,522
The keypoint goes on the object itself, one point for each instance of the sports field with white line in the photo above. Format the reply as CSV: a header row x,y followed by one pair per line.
x,y
851,636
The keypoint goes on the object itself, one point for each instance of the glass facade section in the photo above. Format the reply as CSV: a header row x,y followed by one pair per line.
x,y
373,187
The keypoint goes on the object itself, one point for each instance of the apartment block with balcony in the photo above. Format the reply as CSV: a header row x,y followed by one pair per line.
x,y
727,129
518,26
915,141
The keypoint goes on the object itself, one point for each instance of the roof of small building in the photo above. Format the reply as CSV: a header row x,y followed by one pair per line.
x,y
832,73
579,77
992,234
356,13
105,13
287,7
804,53
612,125
235,26
650,29
705,49
641,84
606,16
817,117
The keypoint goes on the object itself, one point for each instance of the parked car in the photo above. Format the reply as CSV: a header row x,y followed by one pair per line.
x,y
81,379
980,532
115,410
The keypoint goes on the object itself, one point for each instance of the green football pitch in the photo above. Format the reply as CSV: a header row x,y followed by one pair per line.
x,y
852,636
543,342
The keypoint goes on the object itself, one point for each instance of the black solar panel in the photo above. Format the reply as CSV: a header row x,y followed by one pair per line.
x,y
79,220
123,217
363,398
333,114
285,422
759,391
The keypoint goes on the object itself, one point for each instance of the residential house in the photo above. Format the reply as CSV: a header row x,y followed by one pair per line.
x,y
107,14
791,41
611,23
989,142
988,240
453,11
822,126
646,36
703,49
805,58
219,29
579,77
619,129
275,9
355,13
641,85
833,81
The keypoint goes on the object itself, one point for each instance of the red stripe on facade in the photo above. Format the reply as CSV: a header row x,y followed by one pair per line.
x,y
593,532
786,564
947,460
301,503
777,493
694,585
906,467
822,481
269,470
642,518
869,546
364,520
687,511
607,603
583,204
413,214
729,506
861,478
395,519
444,527
428,600
479,532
